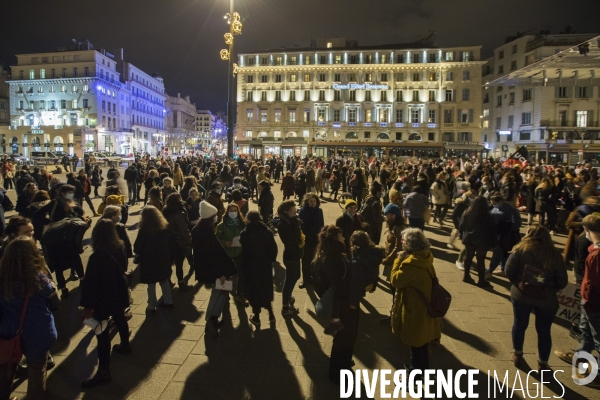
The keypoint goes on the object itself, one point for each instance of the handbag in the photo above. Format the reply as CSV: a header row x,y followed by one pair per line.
x,y
438,305
11,351
324,306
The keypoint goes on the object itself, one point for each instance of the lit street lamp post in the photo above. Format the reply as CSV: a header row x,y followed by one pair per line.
x,y
233,19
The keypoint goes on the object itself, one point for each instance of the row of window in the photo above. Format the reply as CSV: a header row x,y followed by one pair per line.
x,y
412,136
52,104
430,76
142,120
408,57
414,115
63,90
525,120
147,82
561,92
338,95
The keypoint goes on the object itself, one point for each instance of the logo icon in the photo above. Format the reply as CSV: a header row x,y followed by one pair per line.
x,y
584,367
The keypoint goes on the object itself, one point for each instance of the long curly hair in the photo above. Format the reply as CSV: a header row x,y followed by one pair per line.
x,y
105,237
20,266
152,220
329,245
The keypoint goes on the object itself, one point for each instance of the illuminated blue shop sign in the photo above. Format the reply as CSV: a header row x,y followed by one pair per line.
x,y
338,86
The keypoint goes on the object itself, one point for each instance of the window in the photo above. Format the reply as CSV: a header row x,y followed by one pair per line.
x,y
278,95
514,49
278,78
500,69
337,95
368,115
431,136
525,136
511,98
466,94
415,115
416,58
338,59
307,95
464,136
384,96
432,117
583,92
562,92
352,115
263,95
352,77
63,104
432,57
486,112
384,77
399,95
292,115
526,118
582,119
353,95
306,77
498,122
42,104
526,94
337,77
322,77
336,115
251,61
449,95
293,95
249,96
513,65
399,116
103,105
249,78
52,73
278,60
307,60
562,118
353,60
321,95
249,115
263,61
263,116
321,115
277,115
383,59
367,135
416,77
500,54
31,74
499,100
466,76
368,59
398,135
369,77
415,95
368,95
432,95
64,72
85,103
248,134
42,73
383,115
511,121
449,56
74,104
448,116
264,78
306,115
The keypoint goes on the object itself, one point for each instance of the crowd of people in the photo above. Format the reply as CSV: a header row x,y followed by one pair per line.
x,y
198,210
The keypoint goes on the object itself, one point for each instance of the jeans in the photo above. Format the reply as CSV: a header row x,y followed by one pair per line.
x,y
292,274
238,279
165,286
416,223
479,253
180,255
440,211
36,379
499,257
96,190
589,325
543,324
132,192
61,282
419,357
343,342
104,338
216,303
89,203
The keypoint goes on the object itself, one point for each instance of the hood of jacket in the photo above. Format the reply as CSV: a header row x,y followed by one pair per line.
x,y
40,204
420,259
115,199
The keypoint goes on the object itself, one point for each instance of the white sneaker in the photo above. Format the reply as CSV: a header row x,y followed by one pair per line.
x,y
451,246
460,265
552,233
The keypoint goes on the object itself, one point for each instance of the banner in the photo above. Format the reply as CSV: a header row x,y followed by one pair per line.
x,y
519,158
569,303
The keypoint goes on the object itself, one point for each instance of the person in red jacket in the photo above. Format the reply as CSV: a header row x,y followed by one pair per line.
x,y
589,322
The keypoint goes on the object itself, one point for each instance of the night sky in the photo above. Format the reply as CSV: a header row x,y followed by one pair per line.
x,y
181,39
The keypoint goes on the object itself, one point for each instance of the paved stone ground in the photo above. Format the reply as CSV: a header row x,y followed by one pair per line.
x,y
173,359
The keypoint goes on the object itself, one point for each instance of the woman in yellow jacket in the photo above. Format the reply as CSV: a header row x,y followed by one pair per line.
x,y
413,270
177,177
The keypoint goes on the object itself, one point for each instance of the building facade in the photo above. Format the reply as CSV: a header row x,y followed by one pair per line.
x,y
75,86
408,100
181,124
206,124
4,98
540,92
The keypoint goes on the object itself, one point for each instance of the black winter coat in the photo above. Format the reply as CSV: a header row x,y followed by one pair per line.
x,y
364,272
289,233
479,233
210,258
104,285
259,251
154,258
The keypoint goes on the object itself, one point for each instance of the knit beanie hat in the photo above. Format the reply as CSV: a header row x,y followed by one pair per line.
x,y
207,210
392,208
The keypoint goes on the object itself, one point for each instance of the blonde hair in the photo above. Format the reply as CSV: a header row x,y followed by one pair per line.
x,y
152,220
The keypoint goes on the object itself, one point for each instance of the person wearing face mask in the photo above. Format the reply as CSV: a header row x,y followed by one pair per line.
x,y
508,223
113,213
16,226
228,233
66,256
211,262
215,199
192,205
350,221
237,185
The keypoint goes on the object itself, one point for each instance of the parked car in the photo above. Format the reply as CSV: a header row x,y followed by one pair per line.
x,y
61,154
45,157
17,159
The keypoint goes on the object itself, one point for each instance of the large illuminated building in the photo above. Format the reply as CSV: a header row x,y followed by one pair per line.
x,y
334,96
541,91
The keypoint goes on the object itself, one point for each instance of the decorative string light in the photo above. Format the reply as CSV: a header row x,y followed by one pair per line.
x,y
228,38
236,68
224,54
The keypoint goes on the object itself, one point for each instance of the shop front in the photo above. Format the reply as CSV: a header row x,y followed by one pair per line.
x,y
379,150
464,150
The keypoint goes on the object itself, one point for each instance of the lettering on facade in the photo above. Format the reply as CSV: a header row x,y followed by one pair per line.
x,y
463,143
36,131
338,86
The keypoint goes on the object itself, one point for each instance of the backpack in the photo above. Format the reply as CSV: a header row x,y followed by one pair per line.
x,y
7,204
67,231
440,301
534,282
318,279
353,181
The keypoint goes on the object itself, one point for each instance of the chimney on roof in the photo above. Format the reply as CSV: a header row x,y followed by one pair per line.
x,y
187,98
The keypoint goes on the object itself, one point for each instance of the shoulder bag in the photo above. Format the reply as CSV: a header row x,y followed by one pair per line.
x,y
440,301
11,351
